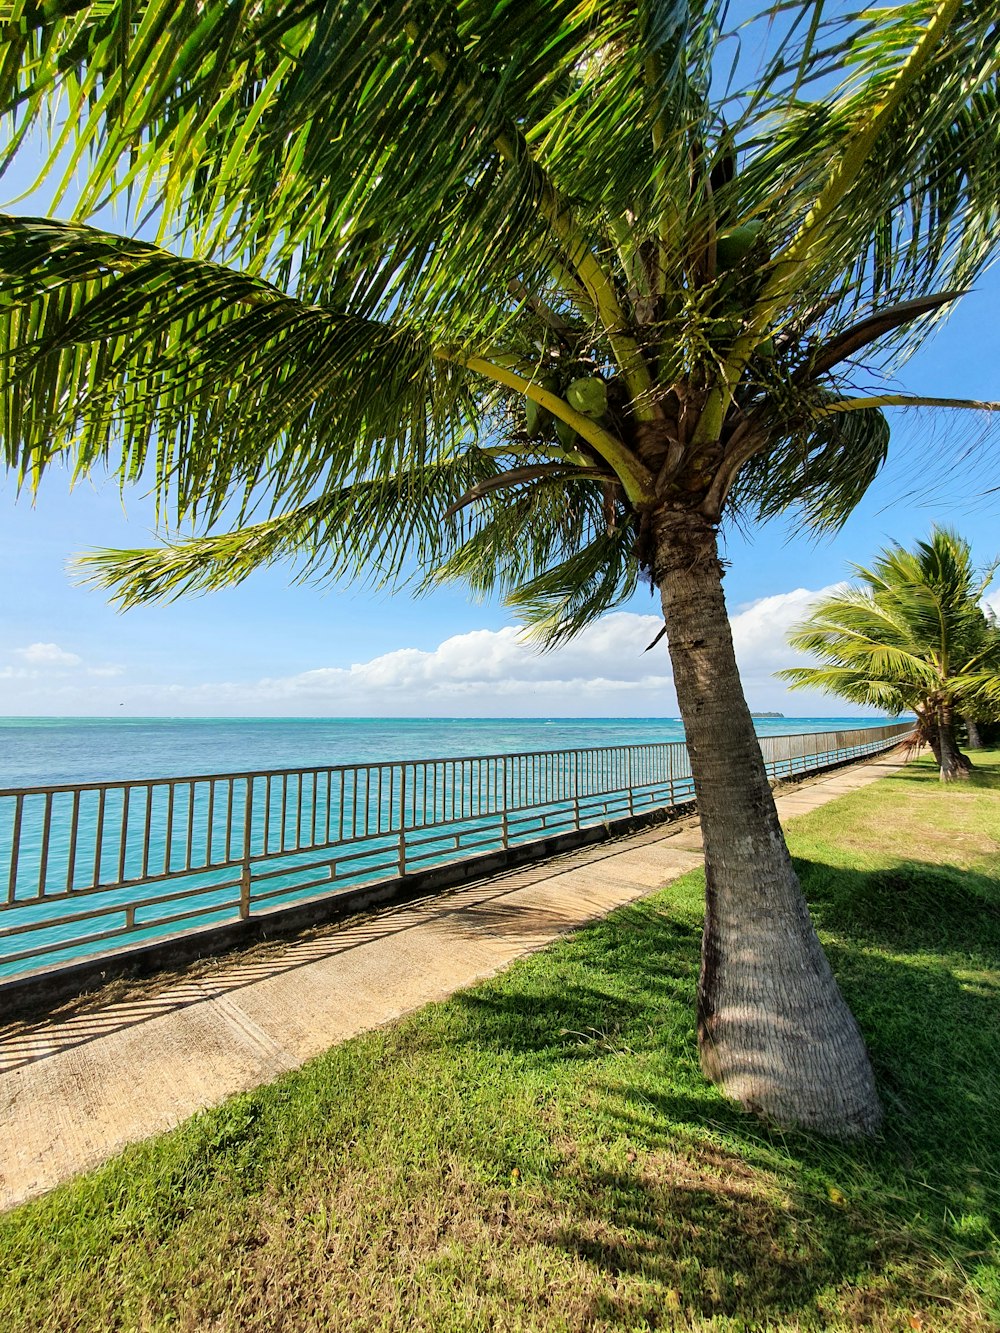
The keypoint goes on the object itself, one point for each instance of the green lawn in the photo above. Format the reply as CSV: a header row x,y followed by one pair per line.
x,y
541,1152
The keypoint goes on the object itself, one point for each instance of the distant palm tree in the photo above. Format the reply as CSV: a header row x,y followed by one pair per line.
x,y
914,638
975,713
530,293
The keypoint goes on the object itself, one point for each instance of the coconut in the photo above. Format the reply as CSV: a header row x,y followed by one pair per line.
x,y
588,395
734,246
538,418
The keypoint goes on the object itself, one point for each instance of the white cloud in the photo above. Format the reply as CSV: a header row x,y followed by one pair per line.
x,y
604,672
48,655
480,672
992,601
51,667
760,630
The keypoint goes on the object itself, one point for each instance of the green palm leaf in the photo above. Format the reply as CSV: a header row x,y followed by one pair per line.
x,y
388,526
822,468
913,636
380,223
206,372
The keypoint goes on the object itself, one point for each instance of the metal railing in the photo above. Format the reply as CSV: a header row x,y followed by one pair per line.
x,y
94,869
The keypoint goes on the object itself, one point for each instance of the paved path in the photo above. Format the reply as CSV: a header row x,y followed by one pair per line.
x,y
76,1089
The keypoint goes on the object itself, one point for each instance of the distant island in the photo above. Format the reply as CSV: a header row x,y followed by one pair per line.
x,y
767,715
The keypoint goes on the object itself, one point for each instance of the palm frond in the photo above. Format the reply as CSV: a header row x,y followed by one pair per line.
x,y
395,151
570,594
360,202
382,530
917,151
555,558
559,557
108,343
822,470
852,685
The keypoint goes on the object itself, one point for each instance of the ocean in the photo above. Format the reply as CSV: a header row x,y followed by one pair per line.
x,y
46,751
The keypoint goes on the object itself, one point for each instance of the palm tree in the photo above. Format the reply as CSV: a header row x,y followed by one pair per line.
x,y
913,638
530,293
983,630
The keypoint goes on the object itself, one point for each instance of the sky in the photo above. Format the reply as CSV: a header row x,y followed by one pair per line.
x,y
270,648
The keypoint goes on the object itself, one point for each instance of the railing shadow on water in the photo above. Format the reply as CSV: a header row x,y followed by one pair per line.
x,y
89,872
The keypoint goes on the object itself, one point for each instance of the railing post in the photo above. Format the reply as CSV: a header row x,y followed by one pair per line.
x,y
401,858
504,825
245,868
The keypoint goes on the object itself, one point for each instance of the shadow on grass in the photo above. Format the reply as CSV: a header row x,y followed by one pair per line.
x,y
910,907
985,774
573,1002
747,1221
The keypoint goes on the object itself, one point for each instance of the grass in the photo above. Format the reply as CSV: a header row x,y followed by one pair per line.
x,y
541,1152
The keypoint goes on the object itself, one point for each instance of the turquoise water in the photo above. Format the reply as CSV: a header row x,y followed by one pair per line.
x,y
38,752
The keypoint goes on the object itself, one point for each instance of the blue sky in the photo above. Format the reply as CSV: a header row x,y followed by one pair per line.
x,y
269,648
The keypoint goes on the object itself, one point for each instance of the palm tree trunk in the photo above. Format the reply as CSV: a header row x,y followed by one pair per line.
x,y
954,764
934,741
975,741
773,1028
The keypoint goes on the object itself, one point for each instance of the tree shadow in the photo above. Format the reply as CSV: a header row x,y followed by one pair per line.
x,y
925,773
911,907
740,1219
591,990
916,949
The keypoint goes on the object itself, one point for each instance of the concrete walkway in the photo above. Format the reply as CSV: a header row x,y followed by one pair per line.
x,y
76,1089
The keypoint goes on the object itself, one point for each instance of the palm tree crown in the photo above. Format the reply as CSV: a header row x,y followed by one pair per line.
x,y
401,223
913,637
